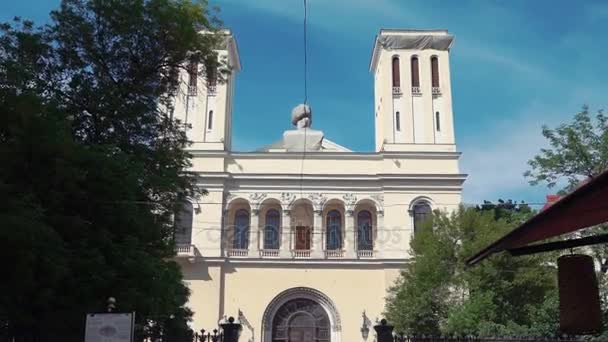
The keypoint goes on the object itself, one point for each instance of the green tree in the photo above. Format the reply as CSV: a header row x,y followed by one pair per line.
x,y
577,150
92,165
437,295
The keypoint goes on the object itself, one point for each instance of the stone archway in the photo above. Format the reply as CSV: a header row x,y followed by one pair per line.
x,y
301,315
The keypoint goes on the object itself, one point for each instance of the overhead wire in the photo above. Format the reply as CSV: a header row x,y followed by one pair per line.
x,y
305,46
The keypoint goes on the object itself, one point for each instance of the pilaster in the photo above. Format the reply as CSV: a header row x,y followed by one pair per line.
x,y
317,236
286,235
254,233
349,235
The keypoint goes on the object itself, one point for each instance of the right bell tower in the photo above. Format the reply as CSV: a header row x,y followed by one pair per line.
x,y
412,91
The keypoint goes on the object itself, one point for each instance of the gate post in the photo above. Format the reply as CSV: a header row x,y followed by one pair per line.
x,y
231,330
384,331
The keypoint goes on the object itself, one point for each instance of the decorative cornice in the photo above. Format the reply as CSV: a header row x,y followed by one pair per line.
x,y
331,155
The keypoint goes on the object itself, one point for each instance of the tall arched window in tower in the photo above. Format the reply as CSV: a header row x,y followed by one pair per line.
x,y
437,121
422,211
396,73
211,79
192,78
334,230
210,120
415,72
271,229
397,121
435,72
365,240
241,229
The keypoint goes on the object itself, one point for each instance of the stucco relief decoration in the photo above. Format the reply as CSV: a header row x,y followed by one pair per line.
x,y
350,200
287,198
245,322
256,198
317,200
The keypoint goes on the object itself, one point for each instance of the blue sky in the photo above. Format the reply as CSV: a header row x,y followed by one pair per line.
x,y
515,66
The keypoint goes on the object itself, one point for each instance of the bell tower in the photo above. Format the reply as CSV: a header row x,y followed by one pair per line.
x,y
204,100
412,91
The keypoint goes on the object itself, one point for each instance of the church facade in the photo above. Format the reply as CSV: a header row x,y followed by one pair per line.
x,y
300,239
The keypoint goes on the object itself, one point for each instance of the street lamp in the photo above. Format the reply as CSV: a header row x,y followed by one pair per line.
x,y
365,327
111,304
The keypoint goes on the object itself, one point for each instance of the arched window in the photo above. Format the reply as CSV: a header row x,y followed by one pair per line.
x,y
271,229
212,80
192,78
396,75
397,121
437,121
334,230
435,72
415,74
210,120
241,229
365,240
422,211
212,76
183,224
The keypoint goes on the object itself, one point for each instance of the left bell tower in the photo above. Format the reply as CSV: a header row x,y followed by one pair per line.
x,y
204,100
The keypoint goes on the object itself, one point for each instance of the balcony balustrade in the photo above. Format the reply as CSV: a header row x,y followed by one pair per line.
x,y
334,253
365,254
269,253
301,253
237,252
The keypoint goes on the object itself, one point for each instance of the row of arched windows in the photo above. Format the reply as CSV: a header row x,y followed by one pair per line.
x,y
414,69
192,69
334,237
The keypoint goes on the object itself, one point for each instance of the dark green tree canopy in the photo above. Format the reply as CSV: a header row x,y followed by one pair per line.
x,y
92,167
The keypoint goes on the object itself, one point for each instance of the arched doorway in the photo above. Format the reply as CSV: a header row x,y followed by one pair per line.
x,y
301,320
301,314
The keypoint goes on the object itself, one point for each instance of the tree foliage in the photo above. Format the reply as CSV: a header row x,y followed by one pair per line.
x,y
91,165
435,294
578,150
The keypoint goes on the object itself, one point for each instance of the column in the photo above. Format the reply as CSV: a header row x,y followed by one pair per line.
x,y
380,235
318,245
254,234
349,235
286,235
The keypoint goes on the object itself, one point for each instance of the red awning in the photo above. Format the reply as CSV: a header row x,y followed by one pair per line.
x,y
584,207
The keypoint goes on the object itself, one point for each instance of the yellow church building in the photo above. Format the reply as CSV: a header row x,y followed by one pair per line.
x,y
301,239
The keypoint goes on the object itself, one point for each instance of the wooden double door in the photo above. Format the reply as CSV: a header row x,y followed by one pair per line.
x,y
302,238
